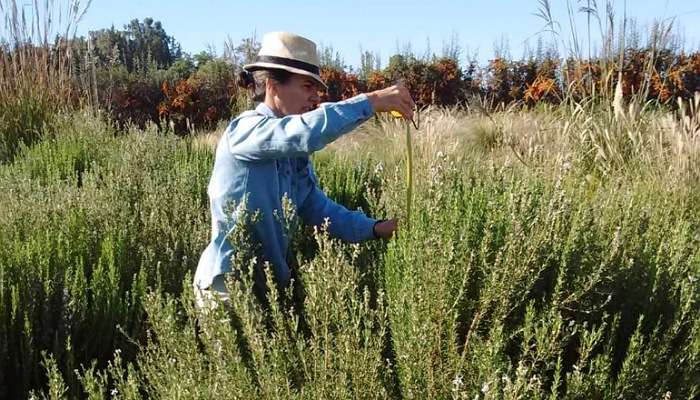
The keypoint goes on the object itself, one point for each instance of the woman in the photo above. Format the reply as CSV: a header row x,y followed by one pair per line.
x,y
263,157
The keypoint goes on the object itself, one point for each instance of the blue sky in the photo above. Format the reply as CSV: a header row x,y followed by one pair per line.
x,y
379,26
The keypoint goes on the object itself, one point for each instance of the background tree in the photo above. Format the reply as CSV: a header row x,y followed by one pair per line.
x,y
203,57
369,61
149,43
243,53
452,50
329,58
110,47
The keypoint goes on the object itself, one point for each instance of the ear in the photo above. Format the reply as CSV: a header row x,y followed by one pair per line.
x,y
270,86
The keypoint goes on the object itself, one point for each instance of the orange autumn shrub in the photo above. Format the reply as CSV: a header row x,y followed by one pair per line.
x,y
198,102
205,98
341,85
375,81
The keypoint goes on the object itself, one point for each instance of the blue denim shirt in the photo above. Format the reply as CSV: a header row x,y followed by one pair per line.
x,y
262,158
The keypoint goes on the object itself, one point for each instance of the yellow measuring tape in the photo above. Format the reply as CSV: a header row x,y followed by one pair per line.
x,y
409,165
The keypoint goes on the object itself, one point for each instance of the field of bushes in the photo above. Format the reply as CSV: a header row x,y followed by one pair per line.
x,y
552,250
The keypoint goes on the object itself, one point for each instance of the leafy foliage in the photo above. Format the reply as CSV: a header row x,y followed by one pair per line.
x,y
552,253
543,278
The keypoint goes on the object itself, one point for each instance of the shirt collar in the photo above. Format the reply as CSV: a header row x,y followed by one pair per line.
x,y
263,109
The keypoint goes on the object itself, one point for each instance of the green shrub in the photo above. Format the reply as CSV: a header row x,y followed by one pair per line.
x,y
531,275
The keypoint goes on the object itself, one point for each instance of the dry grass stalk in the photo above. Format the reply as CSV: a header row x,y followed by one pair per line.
x,y
35,50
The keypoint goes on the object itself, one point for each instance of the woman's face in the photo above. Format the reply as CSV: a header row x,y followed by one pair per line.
x,y
297,96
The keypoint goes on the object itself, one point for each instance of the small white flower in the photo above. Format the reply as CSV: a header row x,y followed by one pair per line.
x,y
378,168
485,388
114,392
457,381
692,279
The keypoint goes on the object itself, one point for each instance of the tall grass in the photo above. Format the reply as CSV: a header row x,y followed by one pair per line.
x,y
532,269
615,37
35,68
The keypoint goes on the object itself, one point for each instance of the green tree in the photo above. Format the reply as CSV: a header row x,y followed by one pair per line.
x,y
139,46
452,50
149,44
203,57
369,61
110,47
182,68
329,58
397,68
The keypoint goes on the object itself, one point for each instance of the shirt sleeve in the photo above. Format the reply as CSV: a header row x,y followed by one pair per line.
x,y
254,137
350,226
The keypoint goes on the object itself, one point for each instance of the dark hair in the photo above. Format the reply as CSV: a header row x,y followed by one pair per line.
x,y
255,80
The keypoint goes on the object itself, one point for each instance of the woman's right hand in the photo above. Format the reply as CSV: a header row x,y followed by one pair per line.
x,y
392,98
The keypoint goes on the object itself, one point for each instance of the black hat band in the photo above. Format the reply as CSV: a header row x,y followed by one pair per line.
x,y
288,62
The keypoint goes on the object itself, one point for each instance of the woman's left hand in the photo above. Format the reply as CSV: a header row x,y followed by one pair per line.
x,y
386,229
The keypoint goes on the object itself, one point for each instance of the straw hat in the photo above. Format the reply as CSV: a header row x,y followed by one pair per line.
x,y
288,51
